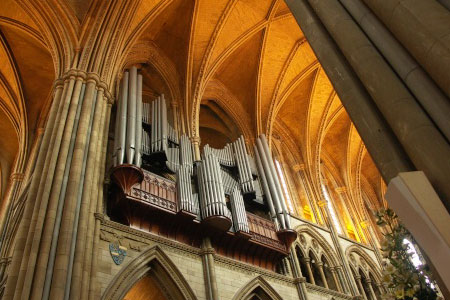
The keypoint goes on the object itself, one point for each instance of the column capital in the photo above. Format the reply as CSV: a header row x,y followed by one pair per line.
x,y
307,260
17,176
195,139
319,264
299,280
364,224
322,203
174,103
341,189
298,167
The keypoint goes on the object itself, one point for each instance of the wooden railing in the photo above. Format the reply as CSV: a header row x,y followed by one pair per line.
x,y
160,193
264,231
156,191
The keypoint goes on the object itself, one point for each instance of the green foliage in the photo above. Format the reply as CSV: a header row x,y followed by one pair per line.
x,y
402,277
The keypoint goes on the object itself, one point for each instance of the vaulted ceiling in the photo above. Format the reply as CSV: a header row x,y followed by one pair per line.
x,y
233,66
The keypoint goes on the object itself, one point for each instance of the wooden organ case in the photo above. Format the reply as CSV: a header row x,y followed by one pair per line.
x,y
228,195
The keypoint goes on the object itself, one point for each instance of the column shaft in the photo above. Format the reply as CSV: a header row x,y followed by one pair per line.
x,y
422,141
383,146
422,26
322,275
432,99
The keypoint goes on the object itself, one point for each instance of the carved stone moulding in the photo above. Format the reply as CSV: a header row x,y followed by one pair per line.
x,y
287,236
126,175
220,223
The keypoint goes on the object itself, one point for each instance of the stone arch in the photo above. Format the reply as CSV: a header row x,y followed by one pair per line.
x,y
371,267
327,249
257,288
155,262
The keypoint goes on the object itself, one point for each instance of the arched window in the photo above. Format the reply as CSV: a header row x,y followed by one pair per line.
x,y
334,217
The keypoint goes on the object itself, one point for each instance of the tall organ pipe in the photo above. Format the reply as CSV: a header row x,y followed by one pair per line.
x,y
271,184
117,129
123,119
238,211
131,130
164,123
277,182
138,154
265,185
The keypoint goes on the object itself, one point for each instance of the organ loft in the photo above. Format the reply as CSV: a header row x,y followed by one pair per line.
x,y
226,149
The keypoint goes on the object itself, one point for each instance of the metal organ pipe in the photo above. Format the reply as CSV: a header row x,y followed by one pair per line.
x,y
138,154
131,122
117,128
277,182
265,185
271,184
123,119
238,211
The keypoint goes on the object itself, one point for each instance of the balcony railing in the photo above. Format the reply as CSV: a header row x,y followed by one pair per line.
x,y
156,191
264,231
159,193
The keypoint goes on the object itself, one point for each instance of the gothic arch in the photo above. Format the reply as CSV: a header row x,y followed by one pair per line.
x,y
327,250
365,263
155,262
259,288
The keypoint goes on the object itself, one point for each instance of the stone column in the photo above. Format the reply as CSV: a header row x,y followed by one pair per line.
x,y
423,29
421,85
341,191
349,284
300,170
209,270
92,287
336,279
373,296
382,145
423,142
322,274
299,280
361,288
196,144
174,105
308,267
365,225
51,241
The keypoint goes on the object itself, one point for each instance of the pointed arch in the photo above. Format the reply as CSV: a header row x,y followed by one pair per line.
x,y
152,261
328,250
365,263
258,287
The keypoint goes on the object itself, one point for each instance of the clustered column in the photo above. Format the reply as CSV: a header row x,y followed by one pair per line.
x,y
52,254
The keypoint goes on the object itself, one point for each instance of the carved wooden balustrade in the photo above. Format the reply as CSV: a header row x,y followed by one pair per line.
x,y
152,206
263,231
156,191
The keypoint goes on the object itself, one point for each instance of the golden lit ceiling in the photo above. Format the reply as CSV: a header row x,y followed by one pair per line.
x,y
230,66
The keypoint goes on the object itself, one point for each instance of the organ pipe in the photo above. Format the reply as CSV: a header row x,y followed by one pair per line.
x,y
271,184
123,119
238,211
276,180
117,128
131,115
266,187
138,155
